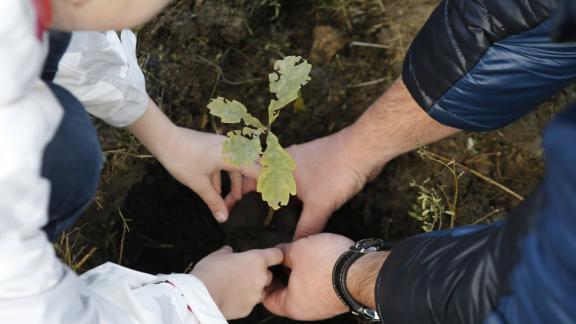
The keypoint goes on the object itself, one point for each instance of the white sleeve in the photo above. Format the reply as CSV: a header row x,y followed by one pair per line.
x,y
29,117
102,71
35,287
176,298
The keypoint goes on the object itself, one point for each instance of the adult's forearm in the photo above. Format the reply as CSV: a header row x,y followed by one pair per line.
x,y
362,275
393,125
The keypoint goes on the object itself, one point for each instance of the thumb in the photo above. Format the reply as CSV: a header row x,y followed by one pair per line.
x,y
214,201
251,170
312,221
275,302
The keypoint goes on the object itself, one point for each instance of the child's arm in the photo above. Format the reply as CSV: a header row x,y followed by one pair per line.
x,y
102,72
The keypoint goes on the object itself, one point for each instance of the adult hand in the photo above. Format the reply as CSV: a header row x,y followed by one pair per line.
x,y
309,294
327,175
236,281
332,169
195,159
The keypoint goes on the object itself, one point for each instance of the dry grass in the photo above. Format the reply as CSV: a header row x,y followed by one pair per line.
x,y
73,251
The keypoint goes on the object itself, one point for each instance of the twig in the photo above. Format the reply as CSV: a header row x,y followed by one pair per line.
x,y
368,83
125,229
86,258
373,45
125,152
141,156
477,174
486,216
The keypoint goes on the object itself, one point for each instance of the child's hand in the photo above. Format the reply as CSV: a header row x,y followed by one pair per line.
x,y
195,159
236,281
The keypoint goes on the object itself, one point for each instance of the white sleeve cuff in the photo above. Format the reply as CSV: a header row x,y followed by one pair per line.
x,y
198,297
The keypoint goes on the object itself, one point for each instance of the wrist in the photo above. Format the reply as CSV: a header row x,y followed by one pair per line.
x,y
362,276
205,279
154,130
383,131
393,125
364,156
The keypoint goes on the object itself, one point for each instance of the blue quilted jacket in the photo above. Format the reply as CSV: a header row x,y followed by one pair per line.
x,y
479,65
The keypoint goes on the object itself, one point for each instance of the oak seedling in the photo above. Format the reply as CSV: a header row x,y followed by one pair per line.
x,y
276,182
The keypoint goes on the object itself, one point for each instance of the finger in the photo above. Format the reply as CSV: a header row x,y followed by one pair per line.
x,y
250,170
223,250
312,221
286,249
230,201
249,185
273,256
214,202
275,302
269,278
236,185
217,181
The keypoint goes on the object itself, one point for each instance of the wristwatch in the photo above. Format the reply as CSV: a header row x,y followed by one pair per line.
x,y
340,273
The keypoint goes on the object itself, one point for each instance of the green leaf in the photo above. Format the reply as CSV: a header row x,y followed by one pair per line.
x,y
239,150
251,132
290,75
231,112
250,120
276,181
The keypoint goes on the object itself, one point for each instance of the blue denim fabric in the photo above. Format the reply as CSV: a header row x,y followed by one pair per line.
x,y
72,160
72,163
58,43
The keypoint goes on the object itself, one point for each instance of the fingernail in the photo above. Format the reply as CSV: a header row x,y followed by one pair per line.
x,y
220,216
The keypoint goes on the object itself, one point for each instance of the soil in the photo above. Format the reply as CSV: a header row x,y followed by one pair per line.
x,y
198,50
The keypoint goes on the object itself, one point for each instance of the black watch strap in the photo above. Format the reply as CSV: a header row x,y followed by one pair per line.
x,y
340,274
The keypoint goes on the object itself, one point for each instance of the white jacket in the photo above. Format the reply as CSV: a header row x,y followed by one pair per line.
x,y
35,287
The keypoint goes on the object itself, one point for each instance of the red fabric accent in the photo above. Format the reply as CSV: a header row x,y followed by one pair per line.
x,y
173,285
44,16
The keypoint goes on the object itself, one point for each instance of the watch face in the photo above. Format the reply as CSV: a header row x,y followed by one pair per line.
x,y
369,245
